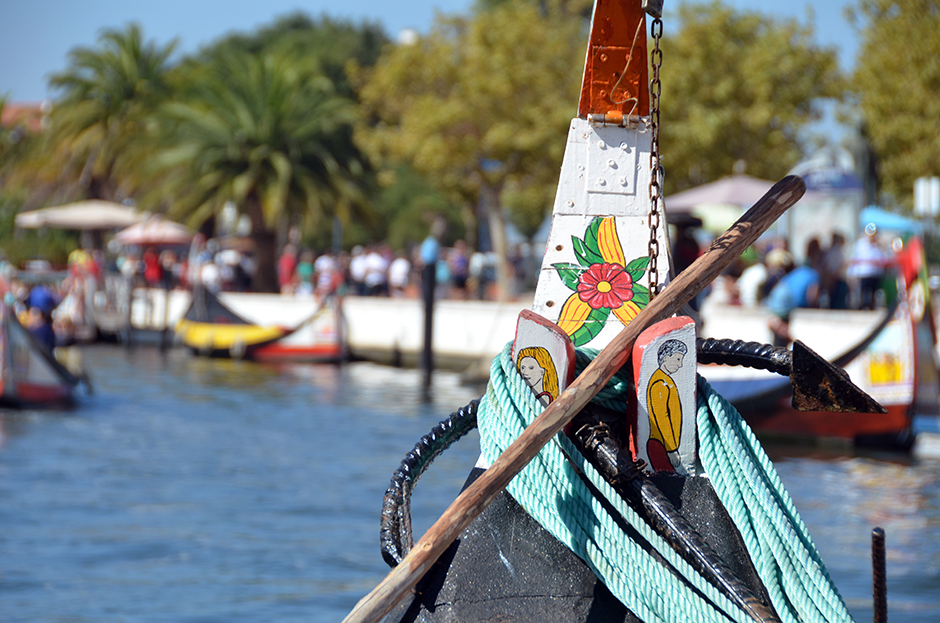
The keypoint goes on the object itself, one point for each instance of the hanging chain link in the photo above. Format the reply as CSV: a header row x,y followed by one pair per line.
x,y
656,59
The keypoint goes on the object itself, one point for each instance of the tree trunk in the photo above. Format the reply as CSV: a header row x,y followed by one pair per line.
x,y
265,279
489,197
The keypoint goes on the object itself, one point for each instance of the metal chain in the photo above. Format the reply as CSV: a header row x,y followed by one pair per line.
x,y
656,60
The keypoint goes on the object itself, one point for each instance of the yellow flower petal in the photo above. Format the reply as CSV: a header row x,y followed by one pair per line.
x,y
608,242
627,312
573,314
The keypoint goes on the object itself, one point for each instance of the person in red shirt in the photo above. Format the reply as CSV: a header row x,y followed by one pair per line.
x,y
286,266
153,271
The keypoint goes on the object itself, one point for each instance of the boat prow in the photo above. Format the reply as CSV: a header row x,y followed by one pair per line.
x,y
31,376
637,493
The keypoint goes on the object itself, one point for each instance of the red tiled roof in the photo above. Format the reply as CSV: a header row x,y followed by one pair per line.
x,y
28,114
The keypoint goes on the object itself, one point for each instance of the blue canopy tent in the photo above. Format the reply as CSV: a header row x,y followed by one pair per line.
x,y
888,221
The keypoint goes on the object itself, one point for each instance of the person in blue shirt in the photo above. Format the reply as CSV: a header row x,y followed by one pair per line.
x,y
43,298
798,288
40,326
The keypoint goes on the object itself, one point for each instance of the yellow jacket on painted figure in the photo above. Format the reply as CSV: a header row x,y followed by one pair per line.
x,y
662,399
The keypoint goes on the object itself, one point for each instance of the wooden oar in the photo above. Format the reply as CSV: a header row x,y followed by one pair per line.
x,y
478,496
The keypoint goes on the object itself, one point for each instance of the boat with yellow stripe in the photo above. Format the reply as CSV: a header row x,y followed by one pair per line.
x,y
211,329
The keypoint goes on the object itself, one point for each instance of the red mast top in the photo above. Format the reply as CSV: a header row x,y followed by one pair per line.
x,y
616,78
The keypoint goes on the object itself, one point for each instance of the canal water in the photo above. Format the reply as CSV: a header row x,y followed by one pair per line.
x,y
193,490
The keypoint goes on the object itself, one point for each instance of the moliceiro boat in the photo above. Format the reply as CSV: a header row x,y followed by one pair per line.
x,y
263,327
614,483
31,375
891,354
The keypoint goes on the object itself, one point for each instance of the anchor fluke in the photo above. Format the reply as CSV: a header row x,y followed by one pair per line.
x,y
819,385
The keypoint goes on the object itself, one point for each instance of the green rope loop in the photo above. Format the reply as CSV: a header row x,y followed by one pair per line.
x,y
550,489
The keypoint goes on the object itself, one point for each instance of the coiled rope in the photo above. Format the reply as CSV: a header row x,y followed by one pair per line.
x,y
551,491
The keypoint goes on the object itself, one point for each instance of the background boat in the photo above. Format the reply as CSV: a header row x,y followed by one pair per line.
x,y
893,359
31,375
263,327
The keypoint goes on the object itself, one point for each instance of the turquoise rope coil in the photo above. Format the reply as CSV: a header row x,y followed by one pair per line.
x,y
551,491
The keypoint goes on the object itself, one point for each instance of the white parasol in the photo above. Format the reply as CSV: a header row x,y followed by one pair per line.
x,y
84,215
737,190
720,203
154,231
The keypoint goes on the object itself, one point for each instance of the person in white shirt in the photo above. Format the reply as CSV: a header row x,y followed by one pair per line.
x,y
868,265
357,271
398,272
376,280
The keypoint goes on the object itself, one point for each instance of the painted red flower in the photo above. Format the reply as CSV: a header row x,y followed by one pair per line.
x,y
605,285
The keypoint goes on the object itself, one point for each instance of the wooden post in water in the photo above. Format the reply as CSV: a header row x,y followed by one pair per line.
x,y
128,327
879,580
429,253
428,285
165,333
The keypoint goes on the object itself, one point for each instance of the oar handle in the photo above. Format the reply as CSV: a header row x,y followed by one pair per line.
x,y
484,490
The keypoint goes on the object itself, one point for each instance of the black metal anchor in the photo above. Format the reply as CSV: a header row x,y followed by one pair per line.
x,y
628,478
816,384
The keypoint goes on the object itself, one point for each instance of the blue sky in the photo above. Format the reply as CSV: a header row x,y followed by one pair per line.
x,y
36,35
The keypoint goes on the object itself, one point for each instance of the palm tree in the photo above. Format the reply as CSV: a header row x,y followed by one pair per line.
x,y
108,94
266,132
6,137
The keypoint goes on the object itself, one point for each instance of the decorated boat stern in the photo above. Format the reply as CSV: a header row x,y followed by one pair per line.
x,y
614,484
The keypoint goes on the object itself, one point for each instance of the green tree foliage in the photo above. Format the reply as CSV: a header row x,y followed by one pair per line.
x,y
19,245
564,8
738,87
896,83
268,133
7,140
406,202
18,147
12,139
325,46
330,43
480,107
108,94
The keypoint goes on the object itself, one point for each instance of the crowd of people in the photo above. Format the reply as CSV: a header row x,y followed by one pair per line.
x,y
835,276
378,270
48,309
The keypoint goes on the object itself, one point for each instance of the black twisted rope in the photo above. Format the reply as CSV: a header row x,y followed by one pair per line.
x,y
395,532
748,354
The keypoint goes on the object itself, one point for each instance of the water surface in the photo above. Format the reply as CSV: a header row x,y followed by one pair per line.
x,y
187,489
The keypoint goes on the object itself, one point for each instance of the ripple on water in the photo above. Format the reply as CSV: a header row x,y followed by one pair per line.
x,y
194,490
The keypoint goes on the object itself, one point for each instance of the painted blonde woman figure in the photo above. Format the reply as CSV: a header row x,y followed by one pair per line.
x,y
537,369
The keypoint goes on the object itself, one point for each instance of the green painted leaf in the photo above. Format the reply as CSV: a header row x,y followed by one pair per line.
x,y
570,273
641,295
590,239
637,268
591,327
586,257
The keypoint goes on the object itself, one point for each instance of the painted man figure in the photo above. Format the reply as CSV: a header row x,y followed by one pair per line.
x,y
665,410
